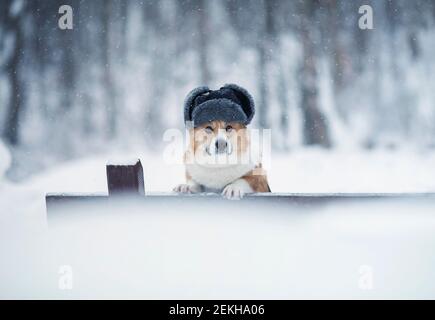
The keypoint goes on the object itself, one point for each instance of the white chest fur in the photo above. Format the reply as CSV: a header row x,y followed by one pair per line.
x,y
217,178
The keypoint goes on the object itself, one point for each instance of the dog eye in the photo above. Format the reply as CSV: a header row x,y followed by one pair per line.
x,y
229,128
208,129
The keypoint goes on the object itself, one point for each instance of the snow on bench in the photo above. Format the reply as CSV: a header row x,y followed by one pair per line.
x,y
125,183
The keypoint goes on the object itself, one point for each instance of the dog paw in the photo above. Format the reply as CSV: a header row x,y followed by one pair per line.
x,y
185,188
233,192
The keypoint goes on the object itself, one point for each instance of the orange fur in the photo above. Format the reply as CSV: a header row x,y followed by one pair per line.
x,y
257,179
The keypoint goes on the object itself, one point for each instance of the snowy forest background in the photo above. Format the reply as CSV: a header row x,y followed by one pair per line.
x,y
119,78
350,111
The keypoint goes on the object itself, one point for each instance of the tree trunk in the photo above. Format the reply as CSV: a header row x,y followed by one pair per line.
x,y
264,49
68,75
109,87
414,45
262,87
157,72
16,100
315,126
284,114
41,10
123,16
203,29
339,58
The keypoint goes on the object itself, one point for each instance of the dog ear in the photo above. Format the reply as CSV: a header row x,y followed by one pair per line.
x,y
245,98
190,100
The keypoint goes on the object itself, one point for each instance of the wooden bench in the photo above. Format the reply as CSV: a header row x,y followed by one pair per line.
x,y
125,182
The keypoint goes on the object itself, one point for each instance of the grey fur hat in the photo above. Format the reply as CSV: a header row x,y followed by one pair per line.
x,y
230,103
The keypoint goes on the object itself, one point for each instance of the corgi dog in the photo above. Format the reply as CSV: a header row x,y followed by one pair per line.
x,y
218,157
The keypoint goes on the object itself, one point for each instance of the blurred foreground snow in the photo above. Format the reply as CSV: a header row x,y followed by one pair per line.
x,y
213,252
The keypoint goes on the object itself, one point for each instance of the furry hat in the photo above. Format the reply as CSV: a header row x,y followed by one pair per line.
x,y
230,103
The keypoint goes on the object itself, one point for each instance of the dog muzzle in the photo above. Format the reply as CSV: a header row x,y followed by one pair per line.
x,y
219,146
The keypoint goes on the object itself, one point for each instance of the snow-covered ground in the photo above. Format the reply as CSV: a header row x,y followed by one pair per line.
x,y
354,250
304,170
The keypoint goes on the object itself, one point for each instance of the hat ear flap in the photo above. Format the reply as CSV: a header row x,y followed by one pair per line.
x,y
190,99
246,100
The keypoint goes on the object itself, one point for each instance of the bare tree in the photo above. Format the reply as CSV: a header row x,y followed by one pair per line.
x,y
315,126
106,61
12,22
68,74
156,28
122,10
203,38
264,56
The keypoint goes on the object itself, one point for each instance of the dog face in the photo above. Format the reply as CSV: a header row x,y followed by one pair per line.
x,y
219,143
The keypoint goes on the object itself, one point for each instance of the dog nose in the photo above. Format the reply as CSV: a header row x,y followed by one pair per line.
x,y
221,145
